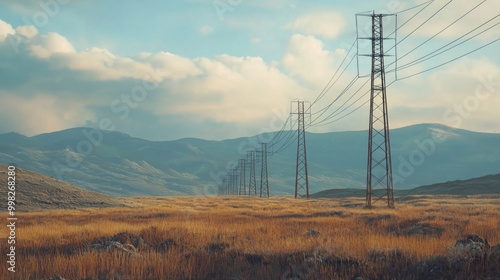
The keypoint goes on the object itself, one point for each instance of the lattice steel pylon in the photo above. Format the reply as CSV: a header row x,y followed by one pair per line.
x,y
252,184
379,167
224,186
264,179
242,166
236,172
234,181
228,183
301,173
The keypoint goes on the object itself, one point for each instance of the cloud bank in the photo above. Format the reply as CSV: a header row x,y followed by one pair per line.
x,y
49,84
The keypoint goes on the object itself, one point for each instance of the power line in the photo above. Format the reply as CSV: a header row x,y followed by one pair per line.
x,y
277,135
446,44
418,27
414,7
321,112
288,142
461,17
283,135
326,88
351,112
352,104
442,64
353,81
336,113
333,114
436,52
412,17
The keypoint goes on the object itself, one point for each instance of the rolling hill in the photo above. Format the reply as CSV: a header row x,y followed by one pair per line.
x,y
35,192
489,184
120,165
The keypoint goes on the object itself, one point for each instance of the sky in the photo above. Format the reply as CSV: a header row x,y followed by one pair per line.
x,y
218,69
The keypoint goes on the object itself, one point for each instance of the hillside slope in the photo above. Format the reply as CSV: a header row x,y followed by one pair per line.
x,y
489,184
35,192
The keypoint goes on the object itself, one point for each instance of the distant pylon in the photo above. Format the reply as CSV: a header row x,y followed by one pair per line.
x,y
252,184
235,181
264,179
242,165
301,174
227,184
222,187
379,168
230,184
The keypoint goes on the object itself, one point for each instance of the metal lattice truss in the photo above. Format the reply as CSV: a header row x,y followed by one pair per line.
x,y
301,175
379,170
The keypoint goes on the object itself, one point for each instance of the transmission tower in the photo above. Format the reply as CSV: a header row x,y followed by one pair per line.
x,y
301,175
379,168
230,183
235,181
221,187
252,184
226,185
242,165
264,179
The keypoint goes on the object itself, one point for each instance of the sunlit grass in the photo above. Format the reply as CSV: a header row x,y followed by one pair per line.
x,y
212,235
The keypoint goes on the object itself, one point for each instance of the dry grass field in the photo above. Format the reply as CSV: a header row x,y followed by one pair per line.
x,y
257,238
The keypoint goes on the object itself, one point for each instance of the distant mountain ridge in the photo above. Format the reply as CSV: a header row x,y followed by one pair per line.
x,y
120,165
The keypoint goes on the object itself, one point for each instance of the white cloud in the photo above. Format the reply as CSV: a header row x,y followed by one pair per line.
x,y
463,95
44,46
307,58
103,65
328,24
171,66
228,90
231,90
5,30
41,113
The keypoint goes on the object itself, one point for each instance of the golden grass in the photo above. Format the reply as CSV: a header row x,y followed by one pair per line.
x,y
249,238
